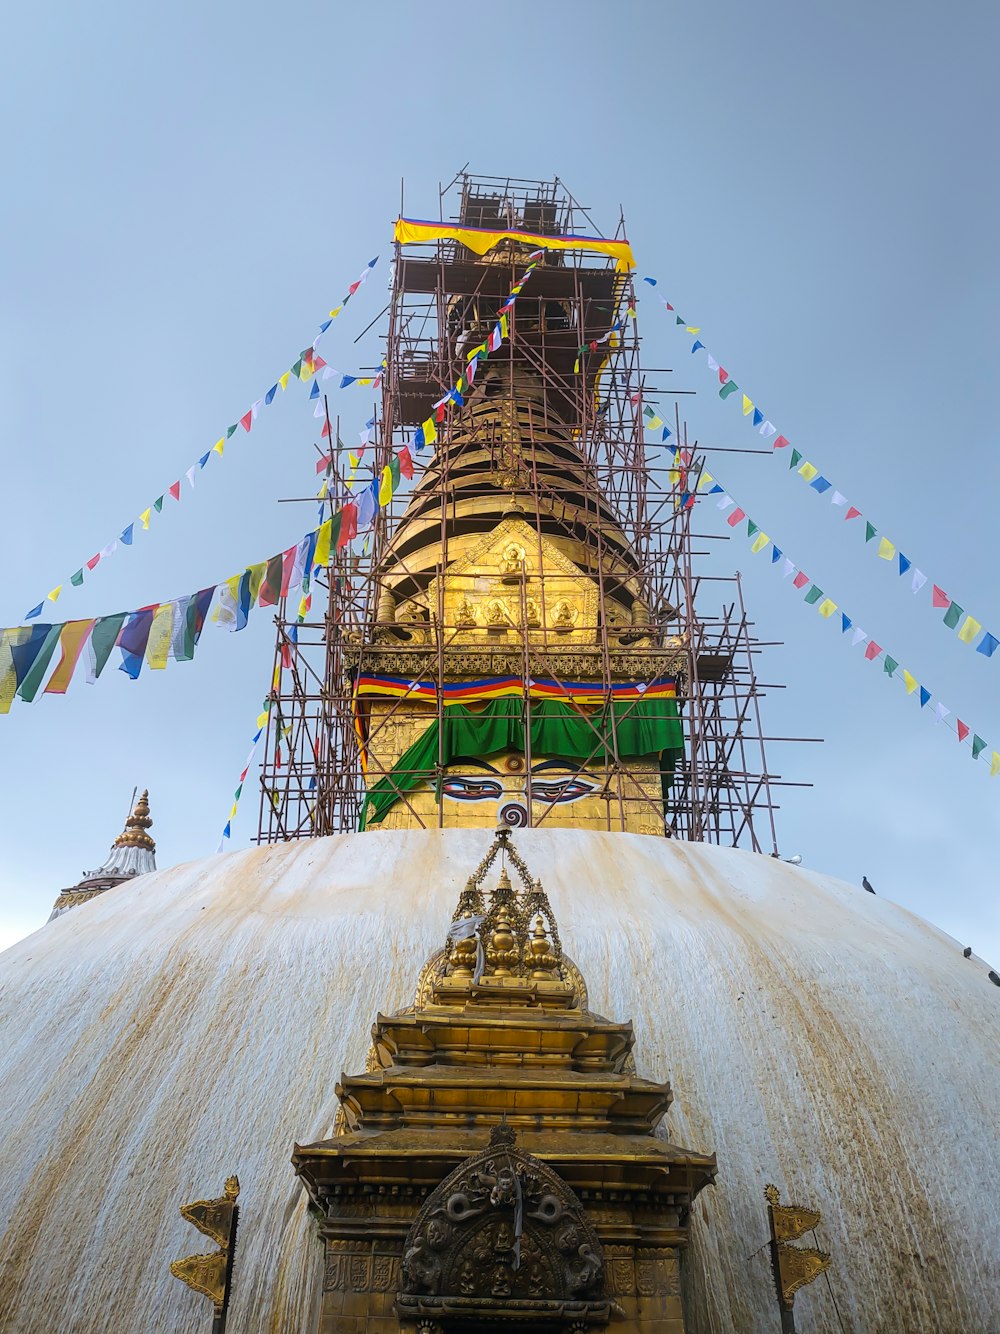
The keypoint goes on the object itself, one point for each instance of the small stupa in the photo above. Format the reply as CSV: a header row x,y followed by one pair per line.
x,y
132,853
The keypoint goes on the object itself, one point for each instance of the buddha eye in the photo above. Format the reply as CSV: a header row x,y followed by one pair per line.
x,y
561,789
471,789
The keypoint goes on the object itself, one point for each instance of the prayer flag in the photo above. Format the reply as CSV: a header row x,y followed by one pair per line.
x,y
220,445
270,589
940,712
696,345
800,580
872,651
730,387
406,462
35,662
283,380
838,499
925,696
988,645
269,396
814,595
978,746
736,516
175,490
918,580
758,416
953,615
870,531
430,431
963,729
890,665
820,484
322,556
909,681
314,391
776,554
158,646
127,535
77,579
751,527
781,442
71,641
858,637
144,519
759,543
747,406
886,550
826,608
246,419
852,513
808,471
133,640
845,623
970,628
385,488
349,524
904,563
939,598
767,430
794,459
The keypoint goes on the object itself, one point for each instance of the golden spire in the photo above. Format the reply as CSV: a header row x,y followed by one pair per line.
x,y
134,834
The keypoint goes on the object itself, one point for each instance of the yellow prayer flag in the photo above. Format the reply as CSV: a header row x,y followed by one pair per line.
x,y
321,493
430,431
283,379
256,573
8,673
827,608
747,406
504,327
233,811
335,312
970,628
910,682
262,719
673,477
808,471
759,543
706,479
306,371
471,356
693,329
885,549
55,593
219,446
144,518
158,644
353,459
322,555
385,486
654,423
995,764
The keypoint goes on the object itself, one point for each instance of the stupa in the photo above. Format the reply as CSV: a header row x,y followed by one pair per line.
x,y
132,853
603,1046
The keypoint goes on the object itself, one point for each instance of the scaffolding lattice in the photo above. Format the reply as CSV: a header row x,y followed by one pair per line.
x,y
583,472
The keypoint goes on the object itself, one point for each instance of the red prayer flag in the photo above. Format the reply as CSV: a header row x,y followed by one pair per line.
x,y
309,356
736,517
800,580
669,306
175,490
318,363
246,419
93,562
322,463
325,430
872,651
405,461
348,524
287,570
439,414
940,598
780,442
963,730
723,375
852,513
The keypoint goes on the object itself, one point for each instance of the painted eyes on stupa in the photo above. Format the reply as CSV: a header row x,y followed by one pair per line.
x,y
472,789
566,789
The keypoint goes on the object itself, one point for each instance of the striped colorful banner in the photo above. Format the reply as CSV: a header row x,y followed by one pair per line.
x,y
494,687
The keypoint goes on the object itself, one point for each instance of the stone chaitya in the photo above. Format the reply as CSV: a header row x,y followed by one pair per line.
x,y
498,1163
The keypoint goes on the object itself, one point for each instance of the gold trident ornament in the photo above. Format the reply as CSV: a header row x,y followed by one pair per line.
x,y
793,1266
211,1274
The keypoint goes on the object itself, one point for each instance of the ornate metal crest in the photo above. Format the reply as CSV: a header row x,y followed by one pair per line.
x,y
503,1238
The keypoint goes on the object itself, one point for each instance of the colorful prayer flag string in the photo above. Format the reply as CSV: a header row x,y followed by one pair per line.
x,y
968,628
306,365
814,596
261,727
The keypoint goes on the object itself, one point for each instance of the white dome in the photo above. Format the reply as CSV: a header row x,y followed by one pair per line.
x,y
194,1023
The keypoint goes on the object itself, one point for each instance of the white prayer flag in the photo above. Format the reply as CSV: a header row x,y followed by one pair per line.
x,y
838,499
919,579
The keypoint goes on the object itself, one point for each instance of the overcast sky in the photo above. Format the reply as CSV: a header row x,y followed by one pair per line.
x,y
190,187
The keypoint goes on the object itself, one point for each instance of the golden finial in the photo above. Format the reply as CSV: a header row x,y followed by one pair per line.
x,y
503,880
464,948
541,959
771,1194
232,1187
503,951
134,834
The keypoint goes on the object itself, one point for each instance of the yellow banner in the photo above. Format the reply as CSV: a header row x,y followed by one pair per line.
x,y
479,240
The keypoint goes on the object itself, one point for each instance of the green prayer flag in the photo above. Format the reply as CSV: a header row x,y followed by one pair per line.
x,y
394,470
730,387
794,459
158,504
230,430
953,615
814,595
297,368
978,746
870,531
335,526
751,528
103,638
77,579
889,665
33,678
679,320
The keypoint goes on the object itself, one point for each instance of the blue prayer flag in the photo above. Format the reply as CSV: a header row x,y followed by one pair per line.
x,y
666,433
925,695
820,484
126,536
845,623
775,555
346,380
314,392
651,281
694,348
904,563
988,645
758,416
35,611
204,459
269,396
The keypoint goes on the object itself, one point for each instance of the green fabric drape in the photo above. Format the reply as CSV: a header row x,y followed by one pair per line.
x,y
558,729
